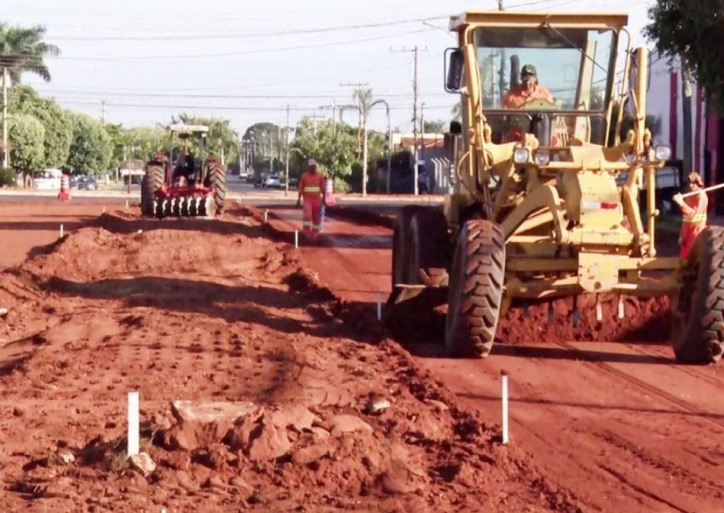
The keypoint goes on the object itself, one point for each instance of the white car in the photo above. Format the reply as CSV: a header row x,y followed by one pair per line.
x,y
48,179
272,181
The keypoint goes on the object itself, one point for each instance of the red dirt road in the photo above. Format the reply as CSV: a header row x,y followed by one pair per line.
x,y
24,226
619,425
312,408
218,310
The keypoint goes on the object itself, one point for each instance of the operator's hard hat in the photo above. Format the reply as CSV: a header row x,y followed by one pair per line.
x,y
312,162
529,70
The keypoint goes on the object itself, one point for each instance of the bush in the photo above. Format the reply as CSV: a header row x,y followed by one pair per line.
x,y
341,186
8,178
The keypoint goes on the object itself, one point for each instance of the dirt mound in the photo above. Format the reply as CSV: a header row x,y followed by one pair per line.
x,y
321,419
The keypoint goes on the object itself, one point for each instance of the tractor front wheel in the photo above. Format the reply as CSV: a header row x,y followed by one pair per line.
x,y
476,289
698,334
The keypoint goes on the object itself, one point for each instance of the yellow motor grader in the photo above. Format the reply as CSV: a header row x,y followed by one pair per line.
x,y
545,186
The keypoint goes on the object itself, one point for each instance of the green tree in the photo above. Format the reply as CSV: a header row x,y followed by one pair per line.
x,y
333,147
23,49
117,134
26,135
58,123
222,140
269,145
143,142
92,147
694,31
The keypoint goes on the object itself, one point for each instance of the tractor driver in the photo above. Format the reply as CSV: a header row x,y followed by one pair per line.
x,y
184,170
527,91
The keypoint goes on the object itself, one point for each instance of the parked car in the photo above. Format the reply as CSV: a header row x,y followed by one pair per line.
x,y
260,181
47,179
87,183
273,181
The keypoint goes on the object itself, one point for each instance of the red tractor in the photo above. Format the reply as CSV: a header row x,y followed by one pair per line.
x,y
189,187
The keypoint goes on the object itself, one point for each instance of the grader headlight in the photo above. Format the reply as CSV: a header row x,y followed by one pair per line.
x,y
521,155
542,158
662,152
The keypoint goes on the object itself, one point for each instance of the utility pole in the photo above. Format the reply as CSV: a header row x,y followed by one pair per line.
x,y
422,132
6,152
103,110
286,172
415,128
500,5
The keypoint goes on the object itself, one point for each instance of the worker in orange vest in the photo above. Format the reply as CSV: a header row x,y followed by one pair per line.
x,y
312,189
527,91
694,210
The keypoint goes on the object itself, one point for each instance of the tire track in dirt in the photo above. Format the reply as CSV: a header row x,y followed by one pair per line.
x,y
650,488
662,394
701,374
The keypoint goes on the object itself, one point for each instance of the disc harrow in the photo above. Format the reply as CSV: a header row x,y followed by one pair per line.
x,y
184,206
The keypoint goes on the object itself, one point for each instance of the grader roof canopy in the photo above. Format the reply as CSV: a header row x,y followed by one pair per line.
x,y
522,19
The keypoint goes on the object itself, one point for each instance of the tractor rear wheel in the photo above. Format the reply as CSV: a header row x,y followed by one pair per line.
x,y
399,244
152,181
698,334
217,181
427,248
476,289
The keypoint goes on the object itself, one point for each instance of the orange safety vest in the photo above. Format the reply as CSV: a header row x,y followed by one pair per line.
x,y
694,221
518,96
312,185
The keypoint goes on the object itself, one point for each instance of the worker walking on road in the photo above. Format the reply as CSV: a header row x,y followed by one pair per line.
x,y
694,209
312,189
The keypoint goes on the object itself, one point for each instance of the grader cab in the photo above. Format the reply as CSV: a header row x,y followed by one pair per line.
x,y
546,184
179,184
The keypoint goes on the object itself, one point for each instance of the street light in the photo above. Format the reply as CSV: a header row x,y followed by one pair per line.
x,y
389,139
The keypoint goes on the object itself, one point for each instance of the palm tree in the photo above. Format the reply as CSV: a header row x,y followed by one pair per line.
x,y
21,50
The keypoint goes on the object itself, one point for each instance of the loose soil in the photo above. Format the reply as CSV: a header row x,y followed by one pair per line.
x,y
331,415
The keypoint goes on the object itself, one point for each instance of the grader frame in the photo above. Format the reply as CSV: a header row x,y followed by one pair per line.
x,y
542,216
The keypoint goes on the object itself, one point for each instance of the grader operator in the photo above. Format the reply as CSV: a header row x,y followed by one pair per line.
x,y
545,186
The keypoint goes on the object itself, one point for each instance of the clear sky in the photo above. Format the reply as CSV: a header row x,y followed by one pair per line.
x,y
149,59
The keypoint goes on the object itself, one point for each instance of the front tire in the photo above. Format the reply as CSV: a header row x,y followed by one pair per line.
x,y
698,334
476,290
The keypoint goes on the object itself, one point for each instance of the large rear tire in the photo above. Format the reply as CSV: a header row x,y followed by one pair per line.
x,y
698,334
476,289
428,250
217,181
151,182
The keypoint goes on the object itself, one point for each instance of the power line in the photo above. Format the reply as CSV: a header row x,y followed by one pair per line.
x,y
211,107
246,35
226,54
213,95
